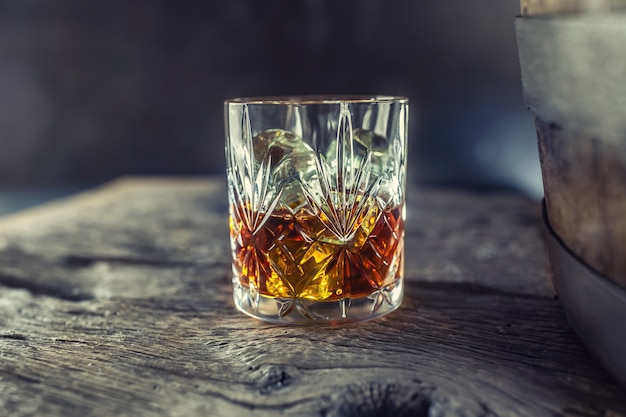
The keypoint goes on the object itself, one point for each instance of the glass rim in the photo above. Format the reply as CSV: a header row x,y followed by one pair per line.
x,y
318,99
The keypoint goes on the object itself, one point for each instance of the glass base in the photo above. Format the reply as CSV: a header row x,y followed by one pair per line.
x,y
310,312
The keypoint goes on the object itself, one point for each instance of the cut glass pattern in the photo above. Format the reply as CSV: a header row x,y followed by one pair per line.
x,y
312,229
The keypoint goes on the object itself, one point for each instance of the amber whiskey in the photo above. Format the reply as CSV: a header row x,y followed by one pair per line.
x,y
295,255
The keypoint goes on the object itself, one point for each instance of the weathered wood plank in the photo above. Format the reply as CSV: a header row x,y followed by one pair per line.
x,y
119,303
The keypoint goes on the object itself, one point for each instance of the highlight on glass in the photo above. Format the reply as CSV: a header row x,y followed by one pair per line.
x,y
316,189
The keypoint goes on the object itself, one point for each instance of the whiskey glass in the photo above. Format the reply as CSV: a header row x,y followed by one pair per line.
x,y
316,188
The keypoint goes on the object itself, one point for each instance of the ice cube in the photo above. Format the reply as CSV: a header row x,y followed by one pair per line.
x,y
292,164
364,142
367,139
277,142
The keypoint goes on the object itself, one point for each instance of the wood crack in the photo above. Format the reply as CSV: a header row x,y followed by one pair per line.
x,y
377,399
81,261
13,336
55,290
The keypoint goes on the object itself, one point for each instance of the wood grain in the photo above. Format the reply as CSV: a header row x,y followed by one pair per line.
x,y
118,302
584,180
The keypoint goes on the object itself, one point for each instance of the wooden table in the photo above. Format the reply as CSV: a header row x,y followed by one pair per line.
x,y
117,302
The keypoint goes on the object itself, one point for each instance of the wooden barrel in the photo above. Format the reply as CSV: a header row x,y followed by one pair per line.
x,y
574,76
573,64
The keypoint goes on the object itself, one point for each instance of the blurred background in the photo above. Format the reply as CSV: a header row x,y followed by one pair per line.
x,y
91,90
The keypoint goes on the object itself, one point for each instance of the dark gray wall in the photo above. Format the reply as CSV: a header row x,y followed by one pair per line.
x,y
94,89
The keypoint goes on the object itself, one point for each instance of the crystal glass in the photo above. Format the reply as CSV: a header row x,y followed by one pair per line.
x,y
316,189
